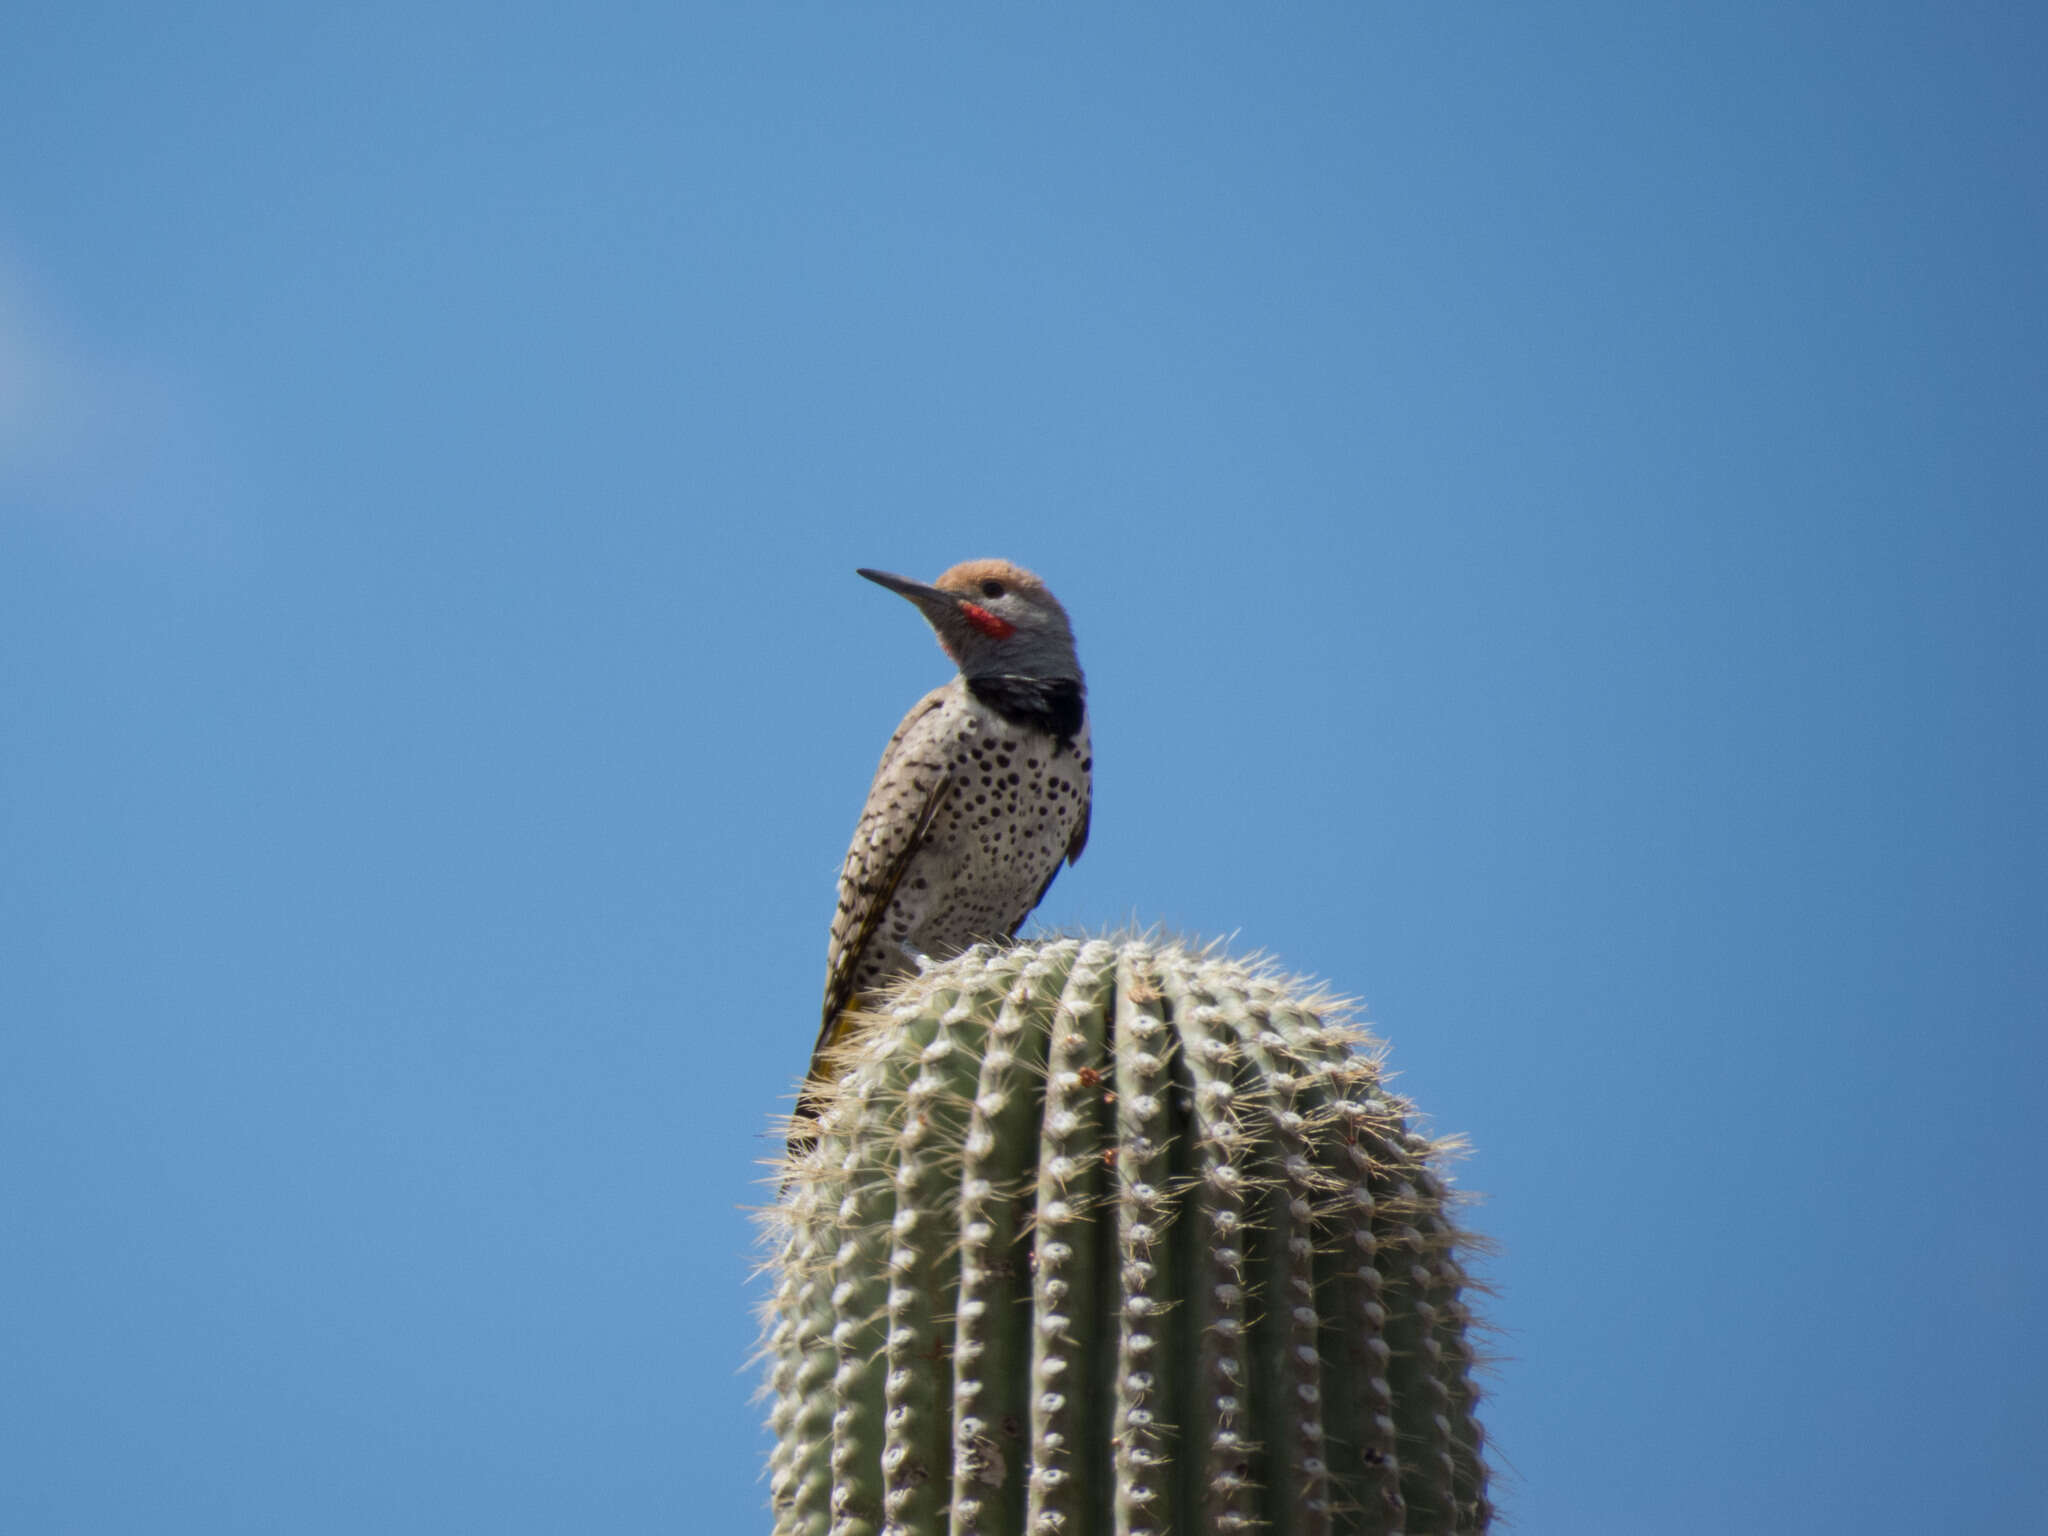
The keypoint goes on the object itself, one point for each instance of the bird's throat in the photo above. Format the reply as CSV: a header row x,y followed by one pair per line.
x,y
1054,705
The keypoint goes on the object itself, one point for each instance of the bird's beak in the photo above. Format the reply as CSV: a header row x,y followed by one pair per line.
x,y
937,602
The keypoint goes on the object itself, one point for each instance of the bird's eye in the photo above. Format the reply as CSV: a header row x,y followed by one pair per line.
x,y
991,589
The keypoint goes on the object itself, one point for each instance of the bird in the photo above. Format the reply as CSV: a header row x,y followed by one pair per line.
x,y
982,795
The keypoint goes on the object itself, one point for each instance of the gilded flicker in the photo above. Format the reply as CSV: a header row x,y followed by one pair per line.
x,y
982,792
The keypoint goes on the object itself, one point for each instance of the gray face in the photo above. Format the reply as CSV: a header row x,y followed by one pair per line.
x,y
993,618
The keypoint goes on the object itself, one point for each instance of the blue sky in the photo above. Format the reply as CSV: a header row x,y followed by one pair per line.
x,y
1552,504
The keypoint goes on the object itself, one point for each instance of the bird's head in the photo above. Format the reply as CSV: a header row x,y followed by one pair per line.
x,y
993,618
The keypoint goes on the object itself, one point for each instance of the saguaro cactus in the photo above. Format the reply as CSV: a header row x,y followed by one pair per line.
x,y
1117,1238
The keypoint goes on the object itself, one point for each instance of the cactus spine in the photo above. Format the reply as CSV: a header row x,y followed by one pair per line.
x,y
1117,1238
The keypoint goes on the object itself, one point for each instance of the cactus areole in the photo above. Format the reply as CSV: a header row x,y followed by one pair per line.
x,y
1117,1238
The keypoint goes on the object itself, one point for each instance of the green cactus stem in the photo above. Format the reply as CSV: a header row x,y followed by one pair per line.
x,y
1117,1238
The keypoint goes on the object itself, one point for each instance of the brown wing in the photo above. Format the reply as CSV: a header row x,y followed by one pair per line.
x,y
905,795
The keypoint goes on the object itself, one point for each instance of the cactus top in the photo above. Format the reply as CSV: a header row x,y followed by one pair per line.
x,y
1118,1238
